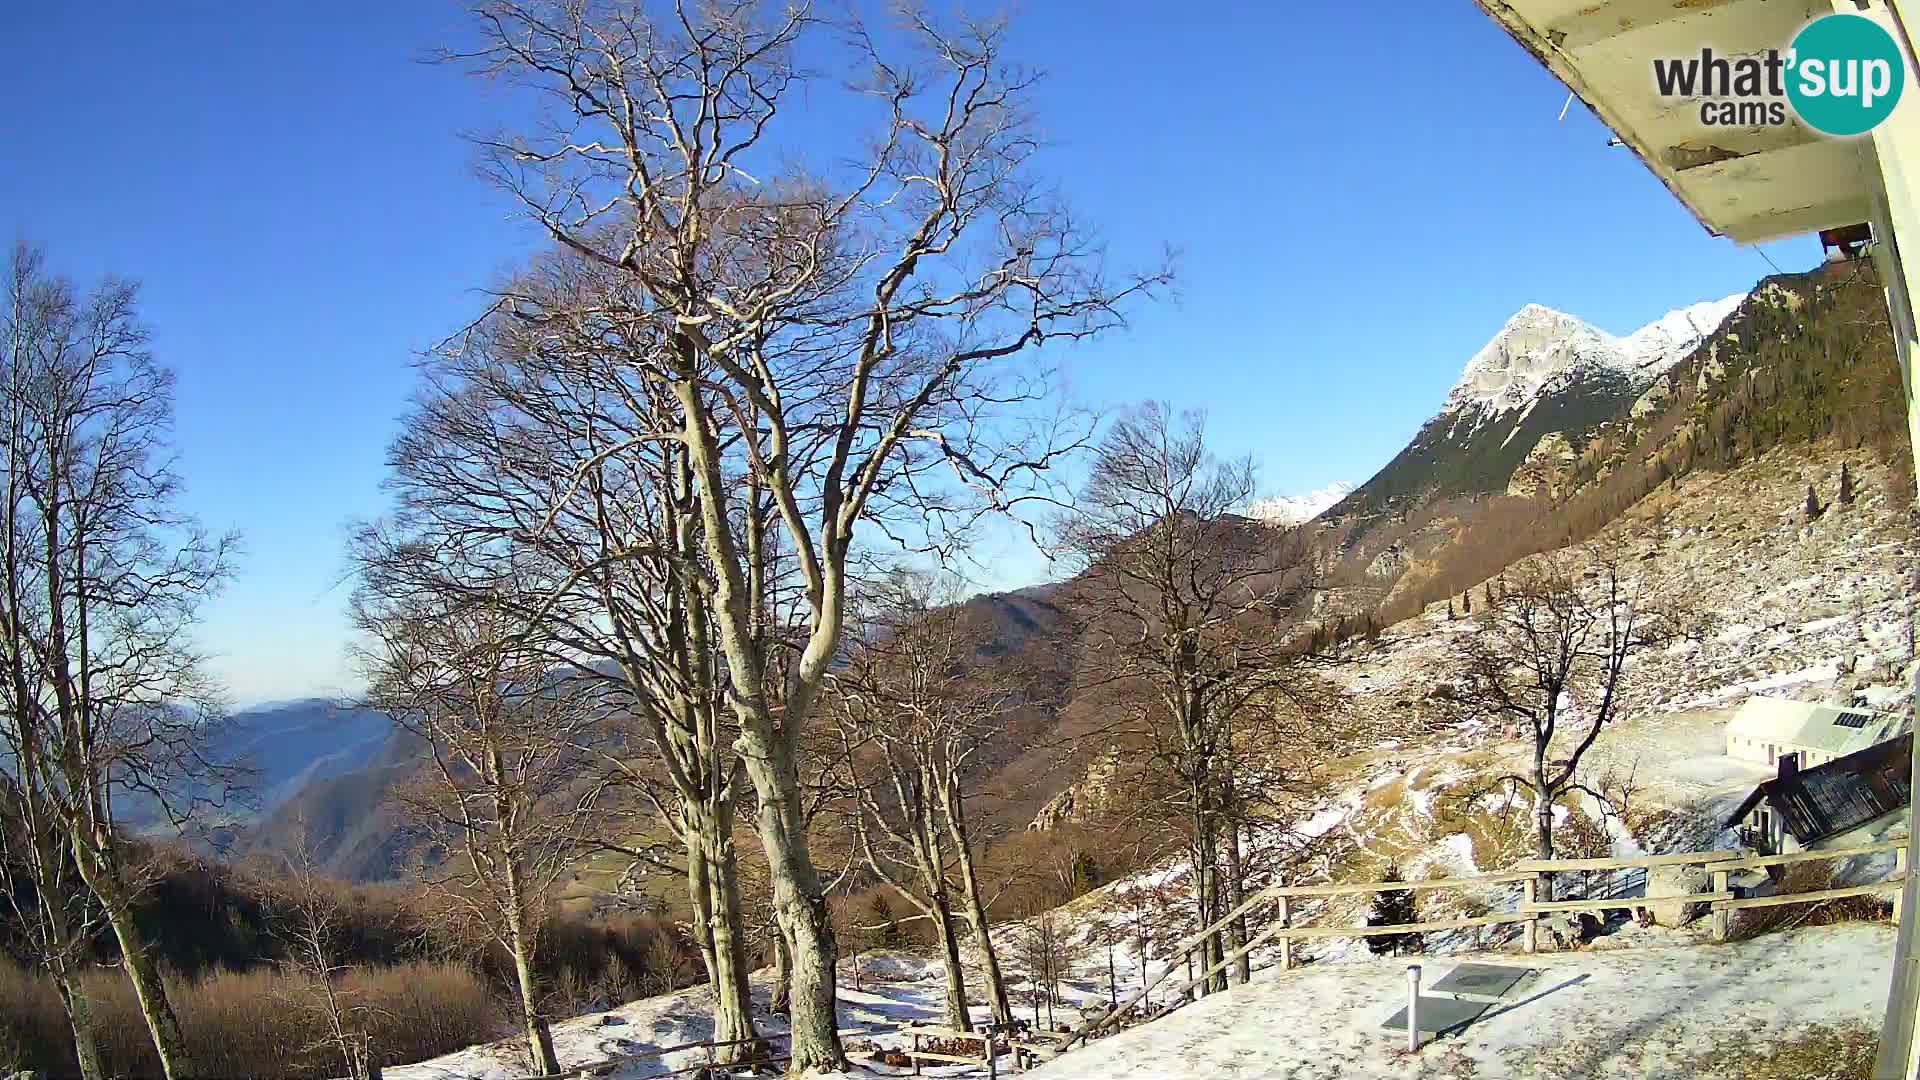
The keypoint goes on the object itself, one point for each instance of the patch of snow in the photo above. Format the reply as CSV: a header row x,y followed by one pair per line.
x,y
1297,509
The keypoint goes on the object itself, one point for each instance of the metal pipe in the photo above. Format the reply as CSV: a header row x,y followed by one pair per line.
x,y
1413,1008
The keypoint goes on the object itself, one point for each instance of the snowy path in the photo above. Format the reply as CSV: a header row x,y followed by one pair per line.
x,y
1643,1014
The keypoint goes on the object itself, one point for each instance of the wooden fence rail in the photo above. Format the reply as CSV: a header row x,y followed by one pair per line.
x,y
1526,873
1022,1054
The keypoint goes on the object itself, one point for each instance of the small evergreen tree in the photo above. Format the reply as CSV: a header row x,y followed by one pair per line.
x,y
1814,509
1450,615
886,933
1466,602
1086,873
1393,908
1846,485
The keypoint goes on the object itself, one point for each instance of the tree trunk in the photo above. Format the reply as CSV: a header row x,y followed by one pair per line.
x,y
782,973
958,1015
765,742
1237,895
732,993
813,1004
977,913
1206,898
1542,827
59,946
539,1036
520,943
163,1025
86,1047
700,909
930,854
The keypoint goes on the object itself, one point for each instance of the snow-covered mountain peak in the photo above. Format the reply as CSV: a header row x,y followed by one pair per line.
x,y
1668,339
1294,509
1540,349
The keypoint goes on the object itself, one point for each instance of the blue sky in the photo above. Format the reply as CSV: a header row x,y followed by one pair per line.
x,y
1360,202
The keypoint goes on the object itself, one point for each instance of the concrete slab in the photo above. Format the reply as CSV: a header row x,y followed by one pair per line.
x,y
1480,982
1439,1015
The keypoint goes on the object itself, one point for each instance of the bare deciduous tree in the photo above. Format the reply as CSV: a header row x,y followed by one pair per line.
x,y
1549,652
1048,952
508,744
915,709
107,703
304,913
835,339
57,917
610,562
1189,629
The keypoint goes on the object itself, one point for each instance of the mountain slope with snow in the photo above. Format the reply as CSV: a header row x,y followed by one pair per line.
x,y
1298,509
1544,372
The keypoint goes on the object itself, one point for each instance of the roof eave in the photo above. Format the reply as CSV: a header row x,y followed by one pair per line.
x,y
1565,69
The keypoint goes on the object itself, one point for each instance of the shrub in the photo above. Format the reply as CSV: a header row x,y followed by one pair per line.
x,y
598,965
249,1023
1806,877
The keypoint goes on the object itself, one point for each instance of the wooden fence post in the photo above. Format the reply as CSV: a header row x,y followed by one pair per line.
x,y
1286,941
1899,872
1722,882
916,1053
1530,930
993,1070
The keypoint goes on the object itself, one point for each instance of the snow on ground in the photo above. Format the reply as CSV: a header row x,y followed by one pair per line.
x,y
894,988
1643,1014
1610,1011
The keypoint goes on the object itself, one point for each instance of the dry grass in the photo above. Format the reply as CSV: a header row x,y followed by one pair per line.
x,y
1807,877
1818,1052
249,1024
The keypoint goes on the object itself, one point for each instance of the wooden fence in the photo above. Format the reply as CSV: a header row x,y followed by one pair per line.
x,y
1527,874
1721,900
1026,1053
1023,1054
607,1064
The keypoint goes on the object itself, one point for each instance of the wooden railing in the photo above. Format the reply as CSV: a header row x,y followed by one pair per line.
x,y
606,1064
1722,870
1023,1054
1721,899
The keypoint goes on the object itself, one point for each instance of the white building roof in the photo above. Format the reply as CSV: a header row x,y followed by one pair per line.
x,y
1805,725
1747,183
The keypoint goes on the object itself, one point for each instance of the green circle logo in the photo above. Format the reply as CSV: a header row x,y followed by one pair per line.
x,y
1846,74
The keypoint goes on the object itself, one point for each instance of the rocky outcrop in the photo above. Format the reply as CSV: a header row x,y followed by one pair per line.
x,y
1083,801
1544,472
1388,564
1654,397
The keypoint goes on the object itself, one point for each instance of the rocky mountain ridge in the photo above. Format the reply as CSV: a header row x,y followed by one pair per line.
x,y
1539,351
1543,372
